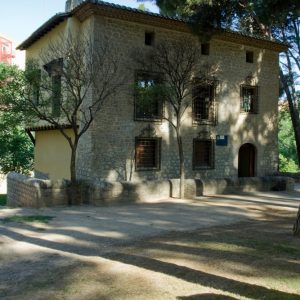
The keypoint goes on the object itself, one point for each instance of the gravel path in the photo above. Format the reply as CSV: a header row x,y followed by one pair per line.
x,y
78,240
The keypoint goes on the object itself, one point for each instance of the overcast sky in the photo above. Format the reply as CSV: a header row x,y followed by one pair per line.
x,y
19,18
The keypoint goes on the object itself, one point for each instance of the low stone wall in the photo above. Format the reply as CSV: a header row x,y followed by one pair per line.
x,y
112,192
31,192
247,184
24,191
295,176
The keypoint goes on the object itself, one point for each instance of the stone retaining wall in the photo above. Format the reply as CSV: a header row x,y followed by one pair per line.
x,y
295,176
26,191
31,192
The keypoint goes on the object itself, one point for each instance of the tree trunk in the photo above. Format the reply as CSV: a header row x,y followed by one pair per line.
x,y
181,165
73,192
294,112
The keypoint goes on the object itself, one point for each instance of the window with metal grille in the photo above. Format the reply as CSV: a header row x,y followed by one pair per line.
x,y
148,100
147,153
54,69
203,103
249,99
203,154
35,85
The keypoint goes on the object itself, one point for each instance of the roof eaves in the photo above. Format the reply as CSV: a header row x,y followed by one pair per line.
x,y
58,18
48,127
47,26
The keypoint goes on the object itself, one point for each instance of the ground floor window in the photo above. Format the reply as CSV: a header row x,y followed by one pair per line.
x,y
147,153
203,154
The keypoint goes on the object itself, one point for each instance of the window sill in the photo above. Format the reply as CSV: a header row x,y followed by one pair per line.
x,y
204,122
203,168
156,120
147,169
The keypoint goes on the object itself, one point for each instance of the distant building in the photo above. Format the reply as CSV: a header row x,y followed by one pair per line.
x,y
6,50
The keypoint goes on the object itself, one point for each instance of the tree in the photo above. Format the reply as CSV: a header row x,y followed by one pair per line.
x,y
181,69
286,141
69,84
16,150
290,71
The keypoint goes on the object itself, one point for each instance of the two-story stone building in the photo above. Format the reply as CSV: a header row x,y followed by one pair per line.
x,y
229,131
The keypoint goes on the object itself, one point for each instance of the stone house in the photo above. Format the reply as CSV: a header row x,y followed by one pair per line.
x,y
230,130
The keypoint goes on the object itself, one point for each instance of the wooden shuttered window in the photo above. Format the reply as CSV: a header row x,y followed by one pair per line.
x,y
203,154
147,153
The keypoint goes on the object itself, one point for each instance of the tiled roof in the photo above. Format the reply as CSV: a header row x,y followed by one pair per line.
x,y
58,18
42,30
48,127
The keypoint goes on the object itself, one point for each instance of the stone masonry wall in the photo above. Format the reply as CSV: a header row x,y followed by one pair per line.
x,y
110,156
24,191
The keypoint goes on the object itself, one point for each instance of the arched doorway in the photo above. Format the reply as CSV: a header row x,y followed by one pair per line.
x,y
246,166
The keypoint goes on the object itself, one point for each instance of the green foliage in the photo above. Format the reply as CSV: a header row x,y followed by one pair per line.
x,y
3,199
16,151
142,7
206,15
287,144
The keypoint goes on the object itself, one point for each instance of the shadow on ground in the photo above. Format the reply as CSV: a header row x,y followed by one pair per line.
x,y
256,257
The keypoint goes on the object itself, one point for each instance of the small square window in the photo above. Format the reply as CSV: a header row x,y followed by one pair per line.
x,y
147,153
249,99
249,57
149,38
203,154
205,48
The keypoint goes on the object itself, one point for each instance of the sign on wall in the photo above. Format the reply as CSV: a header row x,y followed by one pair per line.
x,y
222,140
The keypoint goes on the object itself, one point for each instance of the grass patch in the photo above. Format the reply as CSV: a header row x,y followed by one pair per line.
x,y
3,199
28,219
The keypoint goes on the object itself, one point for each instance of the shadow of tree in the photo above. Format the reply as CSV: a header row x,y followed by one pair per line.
x,y
206,297
195,276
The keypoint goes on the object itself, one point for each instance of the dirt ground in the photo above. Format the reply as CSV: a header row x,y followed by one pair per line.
x,y
229,247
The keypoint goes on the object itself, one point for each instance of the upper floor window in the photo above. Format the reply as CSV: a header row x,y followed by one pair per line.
x,y
205,48
149,38
148,98
249,57
203,154
249,99
35,85
54,69
203,103
147,153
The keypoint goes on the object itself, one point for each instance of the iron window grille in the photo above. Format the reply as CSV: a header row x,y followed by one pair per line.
x,y
147,153
204,105
54,69
249,99
148,104
203,154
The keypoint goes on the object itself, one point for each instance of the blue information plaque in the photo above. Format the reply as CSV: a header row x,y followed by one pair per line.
x,y
222,140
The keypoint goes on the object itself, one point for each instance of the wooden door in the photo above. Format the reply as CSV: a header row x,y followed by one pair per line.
x,y
246,166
